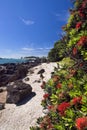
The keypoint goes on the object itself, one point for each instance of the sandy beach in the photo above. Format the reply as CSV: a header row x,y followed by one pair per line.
x,y
23,116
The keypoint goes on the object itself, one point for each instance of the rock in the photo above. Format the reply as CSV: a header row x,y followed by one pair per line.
x,y
4,79
21,71
1,90
2,70
37,81
26,79
12,72
31,71
41,71
17,91
41,76
2,106
45,111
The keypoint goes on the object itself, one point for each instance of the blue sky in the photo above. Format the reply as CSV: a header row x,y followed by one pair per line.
x,y
31,27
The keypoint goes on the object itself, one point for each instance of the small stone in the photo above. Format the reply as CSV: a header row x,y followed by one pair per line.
x,y
1,90
2,106
41,71
27,79
45,111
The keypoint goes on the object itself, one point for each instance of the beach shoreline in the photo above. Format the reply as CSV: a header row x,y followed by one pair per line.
x,y
24,116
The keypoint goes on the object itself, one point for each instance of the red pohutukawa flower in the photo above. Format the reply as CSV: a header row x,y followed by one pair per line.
x,y
81,14
62,107
84,4
59,85
74,51
76,100
46,95
78,25
82,41
81,123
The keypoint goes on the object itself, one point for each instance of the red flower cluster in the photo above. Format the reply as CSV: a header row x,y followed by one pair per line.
x,y
59,85
81,123
82,41
46,95
76,100
62,107
81,14
74,51
84,4
78,25
46,123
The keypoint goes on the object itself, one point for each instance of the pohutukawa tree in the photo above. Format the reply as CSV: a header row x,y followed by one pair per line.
x,y
66,92
76,31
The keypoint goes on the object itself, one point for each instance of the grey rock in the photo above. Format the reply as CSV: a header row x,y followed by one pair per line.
x,y
17,91
41,71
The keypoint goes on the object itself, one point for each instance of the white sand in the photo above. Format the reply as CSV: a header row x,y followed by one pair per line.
x,y
22,117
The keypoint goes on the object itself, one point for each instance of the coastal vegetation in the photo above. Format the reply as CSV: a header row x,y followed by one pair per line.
x,y
58,52
66,92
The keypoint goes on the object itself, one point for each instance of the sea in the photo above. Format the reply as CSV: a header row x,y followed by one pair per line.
x,y
4,60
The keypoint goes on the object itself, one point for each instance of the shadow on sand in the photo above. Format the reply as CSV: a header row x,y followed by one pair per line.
x,y
25,100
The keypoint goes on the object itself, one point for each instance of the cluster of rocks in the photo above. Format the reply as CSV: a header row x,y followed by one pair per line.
x,y
11,72
10,78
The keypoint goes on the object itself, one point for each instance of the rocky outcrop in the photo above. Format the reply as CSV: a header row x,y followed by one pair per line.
x,y
11,72
17,91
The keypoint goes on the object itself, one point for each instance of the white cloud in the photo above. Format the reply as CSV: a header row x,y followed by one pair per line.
x,y
27,21
48,48
62,16
27,49
35,49
39,48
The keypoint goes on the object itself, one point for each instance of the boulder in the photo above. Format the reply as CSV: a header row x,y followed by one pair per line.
x,y
17,91
41,71
21,71
4,79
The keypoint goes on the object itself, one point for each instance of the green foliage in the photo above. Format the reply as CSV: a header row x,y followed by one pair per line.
x,y
58,52
66,62
35,128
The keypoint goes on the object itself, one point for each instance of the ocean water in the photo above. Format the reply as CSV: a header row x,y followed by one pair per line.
x,y
3,61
